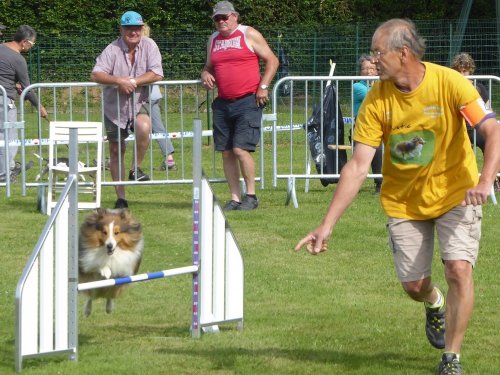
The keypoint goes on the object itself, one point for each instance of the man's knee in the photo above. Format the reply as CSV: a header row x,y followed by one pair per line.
x,y
416,289
142,124
142,132
457,270
240,153
114,149
227,154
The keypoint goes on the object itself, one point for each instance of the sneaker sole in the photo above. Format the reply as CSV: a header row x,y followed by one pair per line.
x,y
245,208
139,179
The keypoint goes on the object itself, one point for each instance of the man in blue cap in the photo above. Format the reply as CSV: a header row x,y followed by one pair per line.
x,y
128,65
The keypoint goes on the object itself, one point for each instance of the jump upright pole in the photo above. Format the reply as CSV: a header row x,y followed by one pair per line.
x,y
197,175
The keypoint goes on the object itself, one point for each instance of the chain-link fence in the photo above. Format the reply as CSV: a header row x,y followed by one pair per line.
x,y
69,57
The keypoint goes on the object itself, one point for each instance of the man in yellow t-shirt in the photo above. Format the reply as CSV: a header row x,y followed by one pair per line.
x,y
430,181
420,130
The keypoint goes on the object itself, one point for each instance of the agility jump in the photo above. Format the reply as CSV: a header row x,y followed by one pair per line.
x,y
46,294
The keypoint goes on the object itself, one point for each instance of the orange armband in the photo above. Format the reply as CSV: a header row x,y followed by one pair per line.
x,y
475,112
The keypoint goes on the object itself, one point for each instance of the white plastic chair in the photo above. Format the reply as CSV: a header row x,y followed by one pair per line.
x,y
89,133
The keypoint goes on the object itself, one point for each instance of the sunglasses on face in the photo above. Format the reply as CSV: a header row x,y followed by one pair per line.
x,y
221,17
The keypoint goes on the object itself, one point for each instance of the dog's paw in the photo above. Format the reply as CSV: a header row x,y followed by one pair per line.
x,y
109,305
88,308
106,272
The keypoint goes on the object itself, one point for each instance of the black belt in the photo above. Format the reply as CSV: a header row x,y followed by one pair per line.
x,y
232,100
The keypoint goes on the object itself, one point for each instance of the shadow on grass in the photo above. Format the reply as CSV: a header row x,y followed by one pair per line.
x,y
26,204
230,358
7,349
128,331
7,359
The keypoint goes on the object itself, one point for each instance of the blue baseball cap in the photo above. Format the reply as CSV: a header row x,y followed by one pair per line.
x,y
131,18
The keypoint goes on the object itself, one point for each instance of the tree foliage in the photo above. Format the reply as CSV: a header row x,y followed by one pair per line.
x,y
59,16
419,9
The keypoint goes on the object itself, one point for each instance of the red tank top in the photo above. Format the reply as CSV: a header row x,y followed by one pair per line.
x,y
236,66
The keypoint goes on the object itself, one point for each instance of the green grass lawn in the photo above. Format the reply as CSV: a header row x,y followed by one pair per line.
x,y
342,312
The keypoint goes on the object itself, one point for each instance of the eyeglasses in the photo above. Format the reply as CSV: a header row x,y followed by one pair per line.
x,y
377,54
132,29
221,17
30,42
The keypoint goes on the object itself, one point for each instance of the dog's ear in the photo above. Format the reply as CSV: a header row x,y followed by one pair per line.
x,y
137,226
125,214
133,226
90,221
100,211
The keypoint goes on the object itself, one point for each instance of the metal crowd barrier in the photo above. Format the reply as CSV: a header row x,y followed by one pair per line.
x,y
182,102
84,101
291,160
5,126
283,129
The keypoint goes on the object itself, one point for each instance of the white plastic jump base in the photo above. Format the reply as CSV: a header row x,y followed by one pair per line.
x,y
221,270
46,294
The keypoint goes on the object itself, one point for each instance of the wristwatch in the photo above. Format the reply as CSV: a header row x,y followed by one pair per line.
x,y
134,82
264,87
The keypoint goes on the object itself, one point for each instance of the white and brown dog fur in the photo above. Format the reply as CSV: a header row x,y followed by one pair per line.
x,y
110,246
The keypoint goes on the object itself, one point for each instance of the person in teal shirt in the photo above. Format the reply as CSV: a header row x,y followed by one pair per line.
x,y
360,89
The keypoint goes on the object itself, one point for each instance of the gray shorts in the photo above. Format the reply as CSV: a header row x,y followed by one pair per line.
x,y
236,123
412,241
115,133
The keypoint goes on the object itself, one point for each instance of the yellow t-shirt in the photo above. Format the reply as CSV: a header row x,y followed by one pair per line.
x,y
428,161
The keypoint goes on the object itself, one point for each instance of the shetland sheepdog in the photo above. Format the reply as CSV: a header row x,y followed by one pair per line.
x,y
110,246
410,149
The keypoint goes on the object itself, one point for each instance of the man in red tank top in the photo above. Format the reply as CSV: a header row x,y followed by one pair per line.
x,y
233,54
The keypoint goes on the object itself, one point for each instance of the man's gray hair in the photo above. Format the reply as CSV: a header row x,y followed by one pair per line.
x,y
24,32
402,32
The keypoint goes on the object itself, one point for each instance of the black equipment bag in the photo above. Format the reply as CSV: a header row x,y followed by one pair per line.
x,y
333,127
